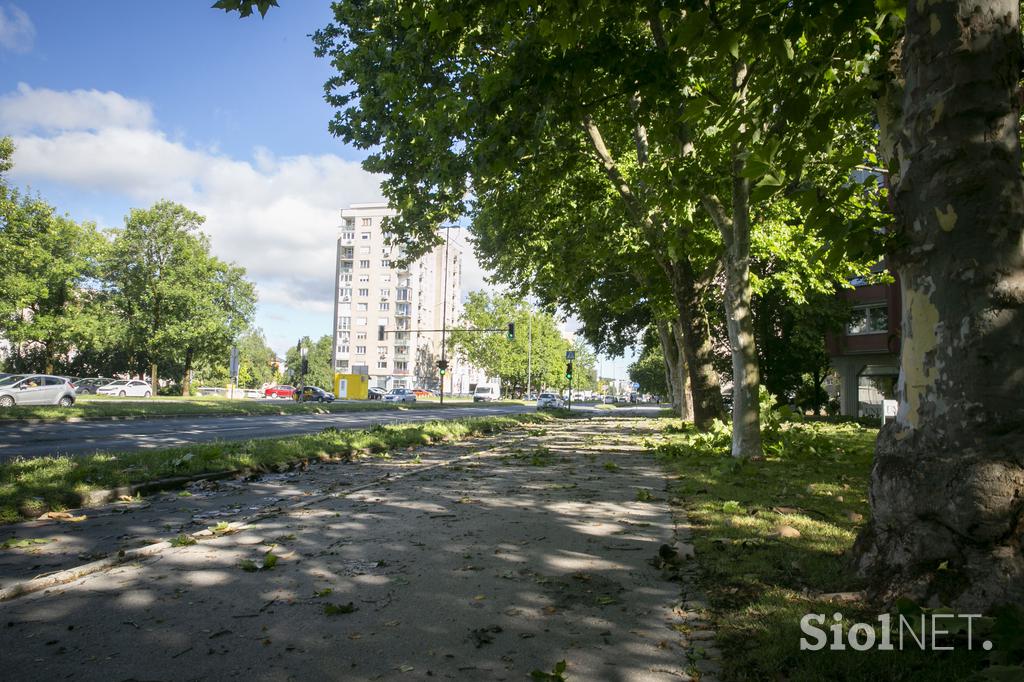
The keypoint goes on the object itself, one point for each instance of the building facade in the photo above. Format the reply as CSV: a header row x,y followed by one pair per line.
x,y
385,314
865,354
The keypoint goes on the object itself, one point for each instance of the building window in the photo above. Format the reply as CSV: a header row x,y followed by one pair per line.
x,y
361,307
364,250
344,322
385,263
365,264
382,364
345,291
348,235
402,308
360,336
364,279
385,293
402,294
385,306
401,350
345,277
401,336
360,350
342,364
346,254
342,349
383,321
871,319
401,366
360,321
366,222
364,292
382,350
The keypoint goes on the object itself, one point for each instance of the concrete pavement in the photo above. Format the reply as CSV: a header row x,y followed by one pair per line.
x,y
537,549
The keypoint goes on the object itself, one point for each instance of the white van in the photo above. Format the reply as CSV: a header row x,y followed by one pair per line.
x,y
486,393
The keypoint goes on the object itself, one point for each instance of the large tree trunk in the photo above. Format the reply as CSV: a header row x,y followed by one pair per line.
x,y
152,376
746,412
696,344
683,377
947,487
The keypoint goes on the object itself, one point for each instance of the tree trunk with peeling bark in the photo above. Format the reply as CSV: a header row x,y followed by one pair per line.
x,y
686,396
675,368
947,486
746,379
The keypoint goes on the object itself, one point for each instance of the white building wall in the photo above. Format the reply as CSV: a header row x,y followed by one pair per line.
x,y
371,293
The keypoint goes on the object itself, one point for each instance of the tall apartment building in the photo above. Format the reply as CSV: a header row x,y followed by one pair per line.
x,y
372,294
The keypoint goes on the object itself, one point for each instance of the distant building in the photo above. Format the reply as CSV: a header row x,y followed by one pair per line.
x,y
385,314
865,354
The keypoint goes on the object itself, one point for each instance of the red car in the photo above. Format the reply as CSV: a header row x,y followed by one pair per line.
x,y
279,392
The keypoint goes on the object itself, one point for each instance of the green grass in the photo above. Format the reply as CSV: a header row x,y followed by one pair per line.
x,y
102,406
759,584
29,487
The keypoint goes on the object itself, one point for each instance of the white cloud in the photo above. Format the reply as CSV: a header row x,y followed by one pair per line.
x,y
40,109
17,33
276,216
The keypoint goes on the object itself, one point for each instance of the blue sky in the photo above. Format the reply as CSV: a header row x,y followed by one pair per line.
x,y
115,104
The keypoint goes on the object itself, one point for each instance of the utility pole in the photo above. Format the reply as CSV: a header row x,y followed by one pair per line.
x,y
529,352
443,365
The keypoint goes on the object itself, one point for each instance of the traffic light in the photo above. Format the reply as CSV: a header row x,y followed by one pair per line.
x,y
380,333
442,367
568,371
305,366
511,331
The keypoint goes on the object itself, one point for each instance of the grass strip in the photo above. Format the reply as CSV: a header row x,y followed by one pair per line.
x,y
761,578
92,407
29,487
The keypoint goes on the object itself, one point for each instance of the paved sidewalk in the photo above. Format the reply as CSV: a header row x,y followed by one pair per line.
x,y
536,551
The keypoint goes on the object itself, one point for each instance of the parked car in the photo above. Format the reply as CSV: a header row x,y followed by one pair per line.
x,y
374,393
88,385
549,400
486,393
126,387
36,389
314,394
423,393
283,391
608,399
399,395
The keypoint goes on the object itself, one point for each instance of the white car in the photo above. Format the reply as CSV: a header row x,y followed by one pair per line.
x,y
126,387
485,393
549,400
399,395
608,399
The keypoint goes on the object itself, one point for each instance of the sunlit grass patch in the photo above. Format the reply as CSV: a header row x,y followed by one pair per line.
x,y
772,536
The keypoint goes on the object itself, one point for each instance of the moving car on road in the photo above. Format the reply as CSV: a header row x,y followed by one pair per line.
x,y
283,391
549,400
126,387
36,389
399,395
314,394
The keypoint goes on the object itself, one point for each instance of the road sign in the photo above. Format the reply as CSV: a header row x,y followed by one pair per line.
x,y
570,355
234,361
635,385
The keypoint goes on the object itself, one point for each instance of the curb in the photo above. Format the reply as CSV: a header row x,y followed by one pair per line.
x,y
24,587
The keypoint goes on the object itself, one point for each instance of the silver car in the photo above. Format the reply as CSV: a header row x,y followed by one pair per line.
x,y
399,395
36,389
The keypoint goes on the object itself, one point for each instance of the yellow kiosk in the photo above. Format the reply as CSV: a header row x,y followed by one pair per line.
x,y
351,386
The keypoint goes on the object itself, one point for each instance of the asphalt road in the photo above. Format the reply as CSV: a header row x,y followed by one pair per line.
x,y
79,438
